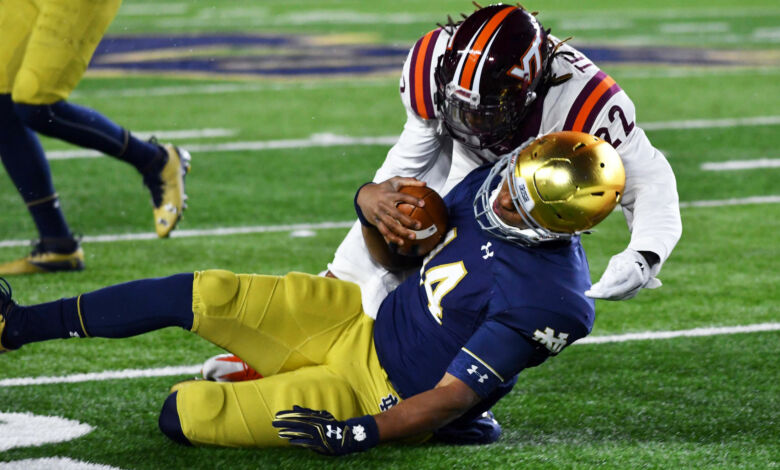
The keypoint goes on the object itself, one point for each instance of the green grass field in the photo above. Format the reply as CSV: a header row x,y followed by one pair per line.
x,y
707,402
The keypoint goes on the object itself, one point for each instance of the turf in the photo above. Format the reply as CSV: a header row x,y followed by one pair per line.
x,y
709,402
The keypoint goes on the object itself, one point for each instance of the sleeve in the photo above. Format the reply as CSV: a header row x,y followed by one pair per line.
x,y
421,149
650,202
494,354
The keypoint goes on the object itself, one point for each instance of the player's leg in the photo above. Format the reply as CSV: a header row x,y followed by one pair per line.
x,y
59,49
117,311
274,323
23,157
240,414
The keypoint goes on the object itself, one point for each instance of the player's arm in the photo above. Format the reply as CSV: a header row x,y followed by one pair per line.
x,y
383,224
424,412
427,411
650,205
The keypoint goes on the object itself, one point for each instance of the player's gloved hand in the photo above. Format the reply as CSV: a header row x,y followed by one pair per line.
x,y
321,432
626,273
377,205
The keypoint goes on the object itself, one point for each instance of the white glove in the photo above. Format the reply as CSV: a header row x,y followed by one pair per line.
x,y
626,273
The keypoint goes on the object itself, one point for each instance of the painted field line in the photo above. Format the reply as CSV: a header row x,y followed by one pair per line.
x,y
334,140
214,232
655,335
160,135
741,164
711,123
732,202
195,369
303,228
220,88
316,140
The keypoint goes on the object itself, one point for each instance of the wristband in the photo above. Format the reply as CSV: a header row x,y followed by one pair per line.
x,y
362,218
365,432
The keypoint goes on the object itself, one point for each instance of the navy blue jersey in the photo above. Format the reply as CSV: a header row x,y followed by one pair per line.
x,y
480,307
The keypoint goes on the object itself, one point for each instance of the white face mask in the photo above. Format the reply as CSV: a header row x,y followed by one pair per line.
x,y
489,221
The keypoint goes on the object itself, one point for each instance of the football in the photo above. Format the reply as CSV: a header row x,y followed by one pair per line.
x,y
433,218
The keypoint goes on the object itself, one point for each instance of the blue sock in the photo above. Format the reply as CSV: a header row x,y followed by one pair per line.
x,y
118,311
88,128
26,164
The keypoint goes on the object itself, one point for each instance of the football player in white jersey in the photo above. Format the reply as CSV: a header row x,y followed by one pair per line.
x,y
474,91
478,89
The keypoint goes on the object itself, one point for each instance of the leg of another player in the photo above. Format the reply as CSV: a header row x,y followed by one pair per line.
x,y
117,311
239,414
60,46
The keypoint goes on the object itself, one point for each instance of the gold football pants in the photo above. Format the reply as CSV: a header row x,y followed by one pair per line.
x,y
309,338
46,45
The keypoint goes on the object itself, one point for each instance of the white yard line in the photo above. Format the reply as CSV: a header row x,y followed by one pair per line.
x,y
214,232
195,369
298,229
219,88
741,164
334,140
316,140
711,123
733,202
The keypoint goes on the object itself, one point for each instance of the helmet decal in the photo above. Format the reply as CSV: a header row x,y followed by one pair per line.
x,y
420,78
531,62
477,49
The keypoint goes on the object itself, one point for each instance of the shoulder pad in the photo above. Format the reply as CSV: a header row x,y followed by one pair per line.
x,y
418,85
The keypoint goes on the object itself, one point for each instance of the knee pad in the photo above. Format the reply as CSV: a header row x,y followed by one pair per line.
x,y
217,287
169,421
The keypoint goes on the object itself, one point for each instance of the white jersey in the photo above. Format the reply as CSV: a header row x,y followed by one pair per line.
x,y
590,101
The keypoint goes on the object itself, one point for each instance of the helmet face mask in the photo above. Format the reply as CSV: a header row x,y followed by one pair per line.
x,y
475,124
561,185
487,77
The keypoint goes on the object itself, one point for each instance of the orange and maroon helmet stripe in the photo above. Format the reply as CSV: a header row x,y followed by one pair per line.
x,y
475,53
420,75
590,102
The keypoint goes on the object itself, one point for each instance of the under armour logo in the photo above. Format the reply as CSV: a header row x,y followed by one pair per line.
x,y
334,431
388,402
549,340
486,249
359,433
473,370
74,334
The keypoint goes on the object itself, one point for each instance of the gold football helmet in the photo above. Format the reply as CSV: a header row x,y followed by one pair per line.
x,y
562,184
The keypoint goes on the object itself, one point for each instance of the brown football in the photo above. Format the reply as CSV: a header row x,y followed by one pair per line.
x,y
433,218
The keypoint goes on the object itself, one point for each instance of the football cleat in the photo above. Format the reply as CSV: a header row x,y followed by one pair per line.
x,y
48,255
228,368
481,430
167,187
6,304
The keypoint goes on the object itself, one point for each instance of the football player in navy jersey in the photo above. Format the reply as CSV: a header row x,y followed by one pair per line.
x,y
46,47
472,90
502,292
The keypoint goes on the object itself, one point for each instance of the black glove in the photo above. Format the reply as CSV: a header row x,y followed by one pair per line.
x,y
321,432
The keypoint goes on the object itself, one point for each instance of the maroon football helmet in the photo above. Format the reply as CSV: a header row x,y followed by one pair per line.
x,y
487,77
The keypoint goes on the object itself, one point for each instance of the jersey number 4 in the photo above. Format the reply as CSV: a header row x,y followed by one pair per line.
x,y
445,278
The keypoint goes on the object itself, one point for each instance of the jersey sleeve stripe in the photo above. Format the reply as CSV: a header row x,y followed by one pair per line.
x,y
599,106
484,364
589,100
420,83
475,54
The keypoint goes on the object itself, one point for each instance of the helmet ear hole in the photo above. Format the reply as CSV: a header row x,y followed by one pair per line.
x,y
600,193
